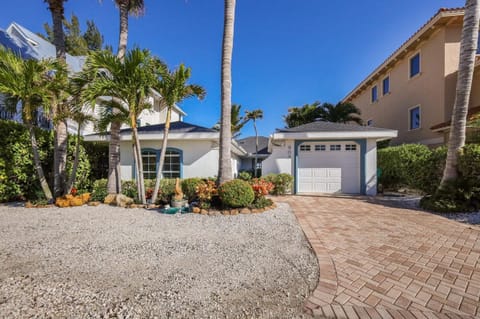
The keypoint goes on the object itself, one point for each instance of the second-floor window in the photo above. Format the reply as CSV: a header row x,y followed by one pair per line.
x,y
414,118
374,94
415,65
386,85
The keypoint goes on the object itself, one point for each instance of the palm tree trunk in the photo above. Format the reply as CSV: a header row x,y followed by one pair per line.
x,y
60,127
256,148
114,185
38,165
123,37
468,48
225,161
138,152
73,175
162,155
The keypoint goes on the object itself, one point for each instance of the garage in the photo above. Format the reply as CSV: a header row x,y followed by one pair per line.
x,y
327,158
329,168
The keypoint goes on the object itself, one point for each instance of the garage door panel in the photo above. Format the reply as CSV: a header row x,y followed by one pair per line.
x,y
329,171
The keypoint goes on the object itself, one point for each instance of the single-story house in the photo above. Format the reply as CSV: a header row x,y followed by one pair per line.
x,y
249,145
327,157
193,151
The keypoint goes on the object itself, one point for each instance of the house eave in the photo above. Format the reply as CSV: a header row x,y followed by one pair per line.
x,y
155,136
378,135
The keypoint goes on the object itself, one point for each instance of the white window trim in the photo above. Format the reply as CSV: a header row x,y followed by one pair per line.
x,y
409,117
389,84
371,91
419,52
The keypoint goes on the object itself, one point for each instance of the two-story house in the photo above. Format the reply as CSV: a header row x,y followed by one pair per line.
x,y
413,91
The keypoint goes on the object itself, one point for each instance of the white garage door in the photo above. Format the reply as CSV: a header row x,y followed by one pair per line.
x,y
329,168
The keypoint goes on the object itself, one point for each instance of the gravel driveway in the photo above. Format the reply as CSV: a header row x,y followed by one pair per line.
x,y
134,263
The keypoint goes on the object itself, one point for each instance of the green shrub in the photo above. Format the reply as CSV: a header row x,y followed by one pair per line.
x,y
400,165
189,187
245,175
282,183
469,161
18,177
460,195
236,193
99,190
129,188
428,177
167,190
261,202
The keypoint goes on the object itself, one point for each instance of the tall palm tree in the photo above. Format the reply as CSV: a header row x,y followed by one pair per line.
x,y
254,116
174,89
129,83
339,113
60,124
27,81
225,158
126,8
468,49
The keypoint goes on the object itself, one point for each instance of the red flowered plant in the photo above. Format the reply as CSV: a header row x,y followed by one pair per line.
x,y
261,187
74,191
206,190
149,193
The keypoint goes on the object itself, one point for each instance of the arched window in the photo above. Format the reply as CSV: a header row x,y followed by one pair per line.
x,y
149,158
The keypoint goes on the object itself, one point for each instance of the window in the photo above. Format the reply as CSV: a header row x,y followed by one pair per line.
x,y
369,122
139,123
414,118
350,147
305,148
386,85
415,65
320,147
171,166
478,45
149,159
335,147
374,94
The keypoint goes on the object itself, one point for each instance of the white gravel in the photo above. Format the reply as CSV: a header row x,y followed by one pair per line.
x,y
104,261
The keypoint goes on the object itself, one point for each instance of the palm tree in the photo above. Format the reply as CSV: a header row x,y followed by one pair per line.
x,y
340,113
60,125
468,49
126,8
254,116
301,115
27,81
129,84
174,89
225,158
238,121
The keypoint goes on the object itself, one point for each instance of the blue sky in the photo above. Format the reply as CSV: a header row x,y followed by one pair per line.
x,y
286,52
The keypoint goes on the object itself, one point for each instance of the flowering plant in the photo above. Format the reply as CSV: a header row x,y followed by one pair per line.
x,y
74,191
261,187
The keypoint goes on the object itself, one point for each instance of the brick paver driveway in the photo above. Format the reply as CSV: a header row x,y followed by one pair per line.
x,y
383,262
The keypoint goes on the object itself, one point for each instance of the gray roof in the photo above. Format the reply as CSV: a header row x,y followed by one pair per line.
x,y
31,46
321,126
175,127
248,144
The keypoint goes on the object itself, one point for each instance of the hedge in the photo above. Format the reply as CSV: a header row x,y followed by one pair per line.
x,y
18,178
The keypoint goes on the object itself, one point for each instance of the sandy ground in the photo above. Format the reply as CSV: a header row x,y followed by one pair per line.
x,y
133,263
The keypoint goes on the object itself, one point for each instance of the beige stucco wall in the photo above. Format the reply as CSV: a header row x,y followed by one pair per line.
x,y
426,90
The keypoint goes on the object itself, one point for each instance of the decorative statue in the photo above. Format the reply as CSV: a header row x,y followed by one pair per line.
x,y
178,191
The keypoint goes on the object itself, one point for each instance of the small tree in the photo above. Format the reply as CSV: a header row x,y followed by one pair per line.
x,y
27,82
174,89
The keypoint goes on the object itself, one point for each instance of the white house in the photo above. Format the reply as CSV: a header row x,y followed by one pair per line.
x,y
327,157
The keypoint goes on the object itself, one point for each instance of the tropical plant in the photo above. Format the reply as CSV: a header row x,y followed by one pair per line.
x,y
27,81
254,116
225,158
60,124
468,50
174,89
238,121
339,113
129,84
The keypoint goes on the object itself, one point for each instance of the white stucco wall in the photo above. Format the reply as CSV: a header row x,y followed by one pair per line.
x,y
281,159
200,157
371,168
